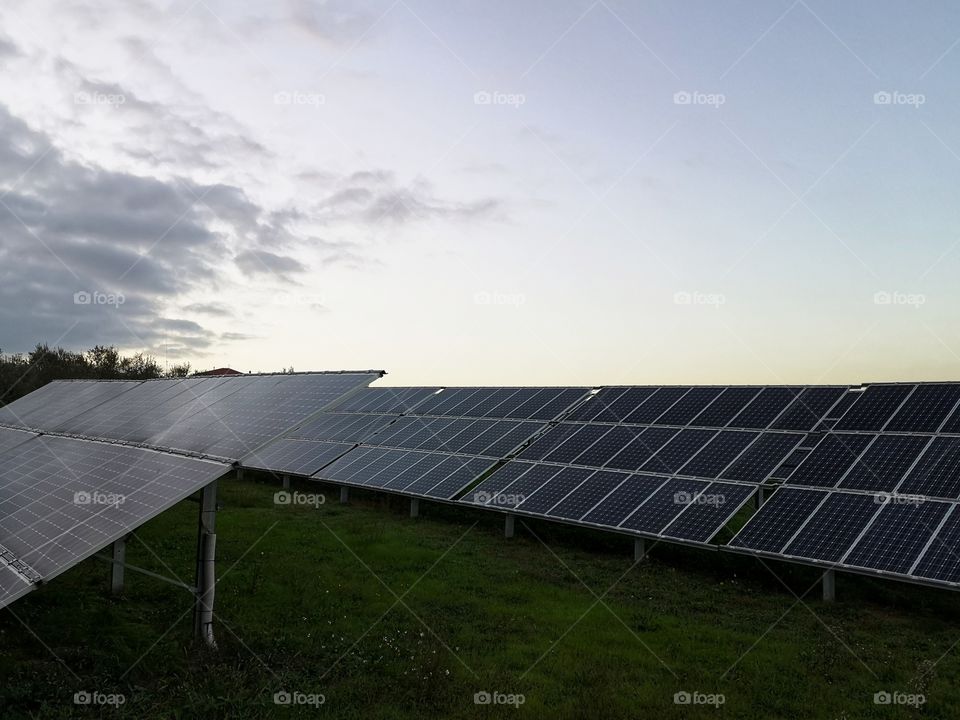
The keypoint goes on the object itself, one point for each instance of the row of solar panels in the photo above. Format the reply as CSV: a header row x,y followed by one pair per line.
x,y
672,462
65,496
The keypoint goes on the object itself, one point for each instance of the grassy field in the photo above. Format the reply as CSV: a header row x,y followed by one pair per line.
x,y
388,617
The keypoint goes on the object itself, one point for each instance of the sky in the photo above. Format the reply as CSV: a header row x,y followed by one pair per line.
x,y
507,192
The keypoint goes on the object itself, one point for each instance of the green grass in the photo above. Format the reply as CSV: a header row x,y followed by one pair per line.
x,y
310,607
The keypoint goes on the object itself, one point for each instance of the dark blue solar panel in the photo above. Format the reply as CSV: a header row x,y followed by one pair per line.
x,y
709,511
830,460
807,410
833,528
875,406
885,462
897,536
778,519
926,409
938,472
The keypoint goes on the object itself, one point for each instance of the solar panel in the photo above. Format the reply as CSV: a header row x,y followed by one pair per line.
x,y
759,461
689,406
709,512
809,408
937,474
764,408
883,465
675,454
63,499
611,405
385,400
10,438
941,561
845,402
628,495
549,441
778,519
60,400
500,480
926,408
296,457
524,486
513,403
577,443
830,460
874,407
833,527
726,407
723,449
952,425
897,536
641,448
579,502
554,490
660,509
655,405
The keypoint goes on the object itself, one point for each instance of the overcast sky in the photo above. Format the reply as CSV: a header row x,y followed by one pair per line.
x,y
528,192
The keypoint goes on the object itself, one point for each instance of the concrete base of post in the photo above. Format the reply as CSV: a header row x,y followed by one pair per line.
x,y
639,549
508,526
116,570
344,495
829,586
414,507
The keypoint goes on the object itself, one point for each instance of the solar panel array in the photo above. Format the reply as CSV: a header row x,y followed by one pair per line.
x,y
83,463
878,493
669,462
222,417
320,441
450,439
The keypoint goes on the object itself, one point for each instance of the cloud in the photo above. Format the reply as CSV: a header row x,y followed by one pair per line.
x,y
214,309
7,48
263,262
333,22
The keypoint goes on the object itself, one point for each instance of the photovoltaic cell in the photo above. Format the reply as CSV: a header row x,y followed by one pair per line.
x,y
561,485
385,400
875,406
832,529
716,455
689,406
60,400
726,407
938,472
577,443
523,487
575,505
635,453
830,459
549,441
296,457
897,536
657,404
675,454
611,405
664,505
620,503
883,465
764,408
926,409
778,519
941,561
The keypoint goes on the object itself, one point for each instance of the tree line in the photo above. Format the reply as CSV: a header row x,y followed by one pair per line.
x,y
21,374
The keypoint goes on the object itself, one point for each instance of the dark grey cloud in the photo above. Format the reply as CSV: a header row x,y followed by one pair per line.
x,y
213,309
263,262
333,22
7,48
